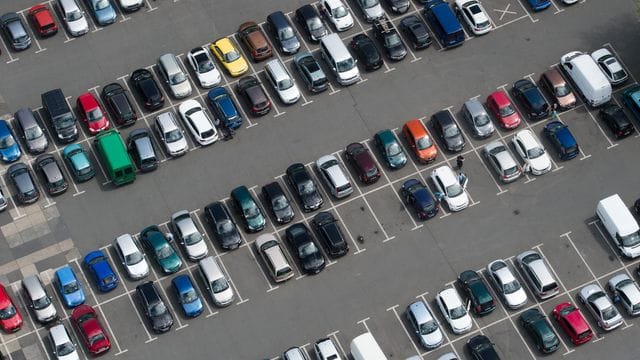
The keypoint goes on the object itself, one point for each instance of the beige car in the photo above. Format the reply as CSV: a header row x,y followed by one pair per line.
x,y
274,258
552,81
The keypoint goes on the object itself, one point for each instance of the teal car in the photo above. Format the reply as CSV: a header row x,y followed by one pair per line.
x,y
78,162
248,209
631,98
156,244
390,149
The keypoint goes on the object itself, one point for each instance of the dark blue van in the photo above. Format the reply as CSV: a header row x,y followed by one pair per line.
x,y
443,23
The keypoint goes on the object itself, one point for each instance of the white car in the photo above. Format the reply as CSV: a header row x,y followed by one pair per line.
x,y
599,305
569,2
198,122
131,257
326,350
337,13
626,293
453,191
73,17
474,15
610,66
130,5
191,239
454,311
371,9
62,346
204,68
535,157
507,286
171,135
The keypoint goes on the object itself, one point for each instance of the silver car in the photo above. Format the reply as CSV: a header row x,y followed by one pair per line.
x,y
599,305
30,131
62,346
131,257
502,161
73,17
172,136
626,293
189,236
506,284
424,325
475,115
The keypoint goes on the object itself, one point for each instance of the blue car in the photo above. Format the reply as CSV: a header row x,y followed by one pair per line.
x,y
188,296
417,196
631,98
103,11
9,148
224,108
69,287
562,139
539,5
98,264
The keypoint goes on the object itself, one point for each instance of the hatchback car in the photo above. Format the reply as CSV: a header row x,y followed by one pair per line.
x,y
222,226
189,236
131,257
398,6
540,330
556,85
506,285
188,296
474,15
366,52
43,21
10,319
309,255
616,120
448,131
453,311
80,166
309,20
476,291
15,31
304,187
503,110
371,9
281,81
625,292
51,175
103,11
204,68
535,157
119,105
424,325
362,161
332,237
417,136
198,122
69,287
502,162
154,307
225,110
29,128
98,265
610,66
283,32
334,176
537,272
274,258
531,99
24,184
481,348
92,114
562,139
599,305
89,330
310,71
278,203
142,151
389,38
573,323
9,148
325,349
73,17
147,88
156,244
294,353
253,93
247,208
452,187
255,41
416,31
337,13
170,134
232,60
61,345
390,149
476,117
417,196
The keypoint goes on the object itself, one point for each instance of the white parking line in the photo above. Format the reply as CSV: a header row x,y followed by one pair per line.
x,y
150,8
248,246
337,342
4,186
395,313
605,239
527,12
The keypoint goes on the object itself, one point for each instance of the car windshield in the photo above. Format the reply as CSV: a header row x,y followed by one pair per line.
x,y
428,327
567,310
158,309
285,84
32,133
307,249
164,252
535,152
189,296
454,190
133,258
85,170
7,141
252,212
280,203
96,339
609,313
630,240
506,110
451,131
306,187
225,227
65,349
562,90
458,312
102,4
482,120
619,75
205,65
424,143
346,65
339,12
314,24
231,56
7,312
219,285
41,303
173,135
193,238
394,149
70,288
74,15
511,287
369,3
66,121
178,78
286,33
392,40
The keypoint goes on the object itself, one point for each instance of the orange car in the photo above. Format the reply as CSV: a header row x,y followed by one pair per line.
x,y
419,141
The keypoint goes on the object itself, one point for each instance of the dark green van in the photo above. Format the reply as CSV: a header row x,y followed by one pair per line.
x,y
115,158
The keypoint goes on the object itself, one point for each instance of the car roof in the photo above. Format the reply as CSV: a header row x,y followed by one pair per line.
x,y
4,128
446,17
242,195
149,292
65,275
307,11
500,97
504,157
416,128
326,346
554,77
420,312
446,175
167,122
527,138
182,283
333,3
126,244
475,108
217,211
59,334
450,297
224,44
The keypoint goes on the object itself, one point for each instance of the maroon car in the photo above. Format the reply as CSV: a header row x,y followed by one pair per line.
x,y
362,161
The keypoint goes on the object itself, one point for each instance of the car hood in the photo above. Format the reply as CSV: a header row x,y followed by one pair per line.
x,y
181,89
138,270
454,142
458,202
432,339
71,356
290,44
291,94
516,298
193,307
11,153
484,130
162,321
75,298
540,163
197,249
106,15
46,313
373,12
79,25
311,200
461,324
12,322
177,146
318,33
224,297
286,213
210,78
313,261
38,145
170,263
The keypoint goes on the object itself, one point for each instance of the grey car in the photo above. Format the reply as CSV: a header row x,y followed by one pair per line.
x,y
15,31
310,71
171,135
502,161
103,11
476,117
23,182
30,131
53,178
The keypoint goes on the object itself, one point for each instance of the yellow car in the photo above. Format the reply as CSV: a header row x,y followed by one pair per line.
x,y
229,56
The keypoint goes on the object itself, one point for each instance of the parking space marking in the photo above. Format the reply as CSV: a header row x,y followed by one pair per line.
x,y
605,238
247,245
442,327
505,11
527,12
611,143
36,329
4,186
558,9
335,336
6,51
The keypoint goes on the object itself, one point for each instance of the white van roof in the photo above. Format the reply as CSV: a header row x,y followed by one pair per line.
x,y
334,44
365,347
589,66
619,213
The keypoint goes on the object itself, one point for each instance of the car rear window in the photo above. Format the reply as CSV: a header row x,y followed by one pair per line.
x,y
343,187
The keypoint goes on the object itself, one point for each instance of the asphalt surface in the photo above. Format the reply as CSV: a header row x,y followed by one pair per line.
x,y
400,258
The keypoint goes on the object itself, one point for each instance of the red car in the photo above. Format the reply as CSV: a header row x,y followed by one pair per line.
x,y
503,110
361,160
573,323
10,318
91,332
42,20
92,113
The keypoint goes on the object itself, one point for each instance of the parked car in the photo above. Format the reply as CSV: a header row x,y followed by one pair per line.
x,y
154,307
537,273
141,149
610,66
503,110
147,88
253,93
225,110
255,41
80,166
129,6
232,60
295,353
631,99
119,105
170,134
38,299
309,20
506,285
398,6
562,139
189,236
198,122
15,31
599,305
68,286
332,237
61,345
362,161
29,129
453,311
424,325
531,99
101,270
222,226
531,151
9,148
390,149
272,255
416,30
92,114
616,120
449,132
473,13
371,9
389,38
278,203
476,117
452,187
334,176
325,349
310,71
187,295
540,330
482,348
11,320
103,11
51,175
131,257
283,32
304,246
174,75
304,187
42,20
366,52
24,184
73,17
281,81
556,85
573,323
202,65
417,136
157,244
247,208
625,292
337,13
417,196
502,162
477,293
89,330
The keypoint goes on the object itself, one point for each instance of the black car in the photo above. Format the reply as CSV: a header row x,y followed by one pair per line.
x,y
311,72
251,90
448,130
398,6
366,51
154,307
531,99
416,30
482,348
23,182
304,187
617,120
142,150
477,292
389,39
309,20
52,176
328,229
15,31
119,105
540,330
278,203
148,89
222,225
309,255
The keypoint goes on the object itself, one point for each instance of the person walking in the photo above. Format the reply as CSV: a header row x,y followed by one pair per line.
x,y
459,161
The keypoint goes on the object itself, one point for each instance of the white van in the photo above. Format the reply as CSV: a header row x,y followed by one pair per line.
x,y
340,61
365,347
587,77
620,225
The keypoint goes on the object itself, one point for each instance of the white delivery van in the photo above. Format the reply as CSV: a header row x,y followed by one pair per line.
x,y
340,61
587,77
365,347
620,225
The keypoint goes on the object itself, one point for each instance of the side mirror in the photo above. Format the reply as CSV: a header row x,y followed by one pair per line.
x,y
468,305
